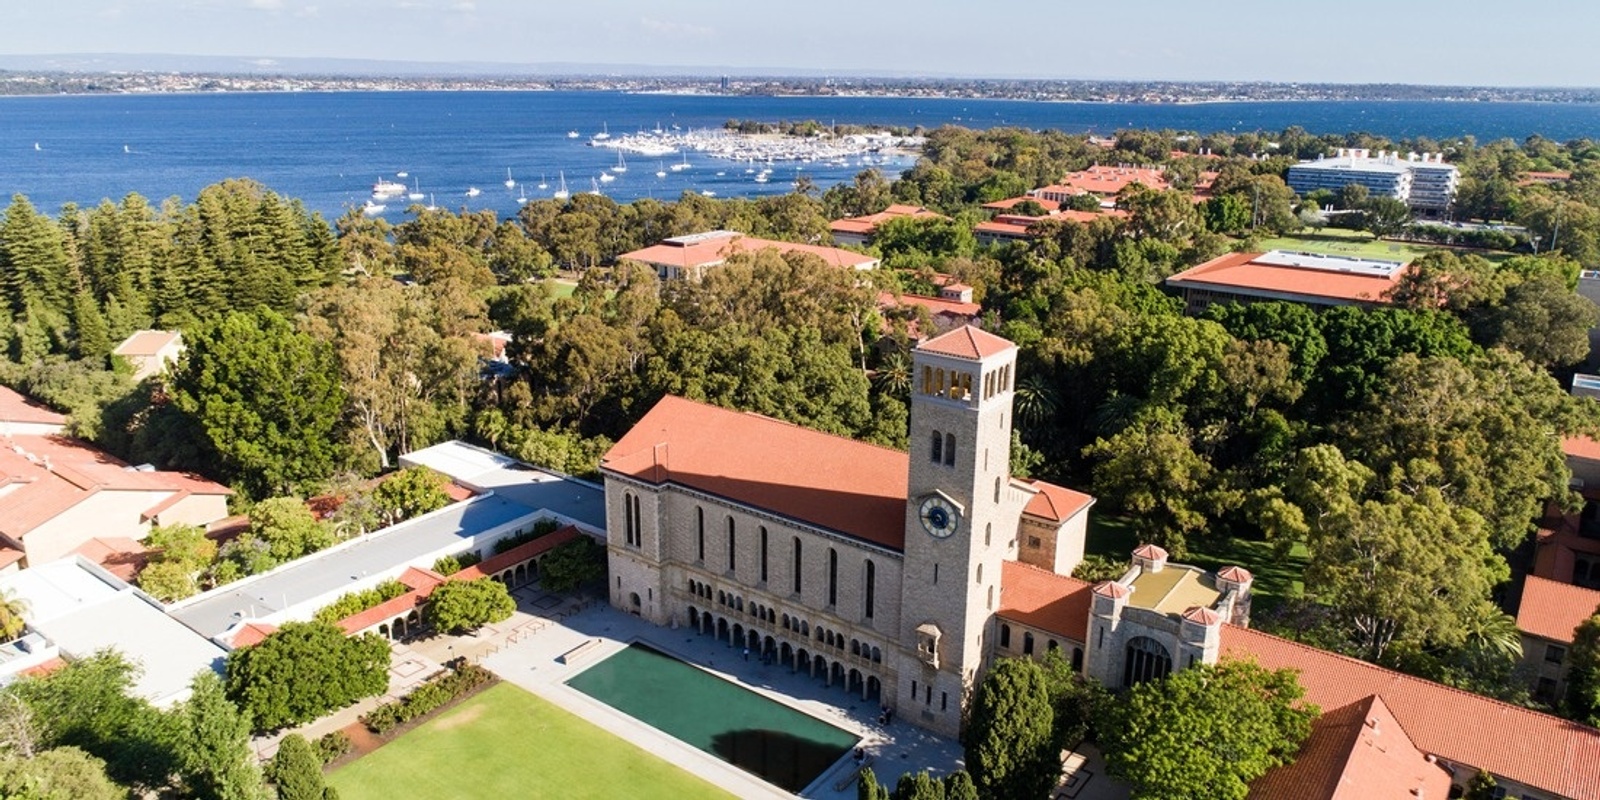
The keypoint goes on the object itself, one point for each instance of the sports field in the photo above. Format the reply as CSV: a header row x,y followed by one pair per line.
x,y
505,742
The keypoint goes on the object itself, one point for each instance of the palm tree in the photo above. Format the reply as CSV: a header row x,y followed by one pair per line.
x,y
894,375
1490,630
11,610
1035,399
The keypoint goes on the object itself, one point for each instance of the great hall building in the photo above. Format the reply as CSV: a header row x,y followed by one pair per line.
x,y
896,575
899,576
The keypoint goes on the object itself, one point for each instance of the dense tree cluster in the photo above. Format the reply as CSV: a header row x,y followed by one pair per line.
x,y
304,670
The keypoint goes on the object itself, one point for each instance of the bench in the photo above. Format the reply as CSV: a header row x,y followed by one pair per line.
x,y
577,652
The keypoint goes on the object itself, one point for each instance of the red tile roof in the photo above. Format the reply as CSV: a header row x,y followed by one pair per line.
x,y
1538,750
17,407
1235,574
9,555
251,633
41,670
968,342
1581,447
1107,181
1356,752
1056,503
832,482
518,554
1239,272
1202,615
388,609
146,343
118,555
716,249
57,473
935,305
866,225
1553,610
1010,202
1042,599
1154,552
1111,589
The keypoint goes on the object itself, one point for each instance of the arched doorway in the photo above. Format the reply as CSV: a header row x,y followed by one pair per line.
x,y
786,655
694,618
722,628
635,603
874,687
738,634
855,683
802,660
836,675
1145,660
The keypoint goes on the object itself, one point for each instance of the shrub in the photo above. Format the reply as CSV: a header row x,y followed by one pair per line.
x,y
450,565
543,527
332,746
426,698
357,602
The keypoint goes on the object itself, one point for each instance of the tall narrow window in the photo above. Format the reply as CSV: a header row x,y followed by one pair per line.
x,y
997,490
797,563
627,517
935,574
700,533
868,597
833,576
731,556
938,448
638,524
949,449
1027,643
763,554
1005,635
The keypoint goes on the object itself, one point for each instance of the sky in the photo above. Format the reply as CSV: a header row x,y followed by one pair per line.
x,y
1459,42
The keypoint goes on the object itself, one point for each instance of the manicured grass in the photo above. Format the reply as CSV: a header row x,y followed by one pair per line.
x,y
1342,242
1276,578
505,742
563,288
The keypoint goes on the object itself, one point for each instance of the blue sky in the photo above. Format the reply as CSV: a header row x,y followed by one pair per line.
x,y
1354,41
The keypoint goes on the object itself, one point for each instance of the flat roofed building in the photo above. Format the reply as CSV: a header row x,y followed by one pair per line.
x,y
1425,182
82,609
691,255
1310,278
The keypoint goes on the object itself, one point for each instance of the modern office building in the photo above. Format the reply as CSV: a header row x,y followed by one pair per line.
x,y
1424,181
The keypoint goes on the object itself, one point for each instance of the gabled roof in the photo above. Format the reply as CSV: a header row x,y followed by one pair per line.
x,y
709,249
1551,754
1553,610
147,343
1104,180
968,342
1356,752
57,473
17,407
866,225
935,305
1056,503
1042,599
829,481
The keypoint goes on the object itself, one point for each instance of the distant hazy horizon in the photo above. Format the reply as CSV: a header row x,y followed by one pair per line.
x,y
1420,42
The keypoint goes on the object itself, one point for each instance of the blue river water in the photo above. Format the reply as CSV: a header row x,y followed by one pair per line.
x,y
327,149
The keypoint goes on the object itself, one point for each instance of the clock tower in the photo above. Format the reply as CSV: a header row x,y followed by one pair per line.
x,y
960,522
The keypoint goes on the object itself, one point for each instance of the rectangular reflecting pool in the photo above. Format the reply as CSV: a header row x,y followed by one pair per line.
x,y
781,745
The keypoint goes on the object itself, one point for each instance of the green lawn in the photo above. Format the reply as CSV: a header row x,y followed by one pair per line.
x,y
506,742
1342,242
1276,578
563,288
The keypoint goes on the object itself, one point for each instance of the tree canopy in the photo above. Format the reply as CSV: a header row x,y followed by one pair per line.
x,y
304,670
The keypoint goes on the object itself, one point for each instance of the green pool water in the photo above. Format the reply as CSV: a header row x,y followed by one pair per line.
x,y
783,746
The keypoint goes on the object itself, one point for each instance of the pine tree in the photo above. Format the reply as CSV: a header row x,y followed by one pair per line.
x,y
296,771
94,340
214,749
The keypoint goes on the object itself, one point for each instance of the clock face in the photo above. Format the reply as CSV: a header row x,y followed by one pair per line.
x,y
939,517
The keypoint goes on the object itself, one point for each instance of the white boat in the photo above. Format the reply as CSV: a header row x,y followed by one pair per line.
x,y
622,166
522,196
416,191
573,134
473,191
603,135
761,177
36,146
385,189
594,188
372,209
402,174
510,181
562,193
431,206
606,177
681,166
707,193
720,173
661,170
542,183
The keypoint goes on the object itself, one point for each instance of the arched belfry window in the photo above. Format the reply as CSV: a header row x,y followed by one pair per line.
x,y
949,449
1145,660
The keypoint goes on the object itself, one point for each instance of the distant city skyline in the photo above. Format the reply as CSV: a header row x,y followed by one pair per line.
x,y
1357,41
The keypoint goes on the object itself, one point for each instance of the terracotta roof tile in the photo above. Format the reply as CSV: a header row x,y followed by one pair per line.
x,y
1240,272
1235,574
1555,755
1056,503
1044,600
1202,615
1111,589
935,305
1153,552
968,342
518,554
9,555
1581,447
1008,203
251,633
832,482
1553,610
119,555
1356,752
869,223
1105,180
717,249
18,407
